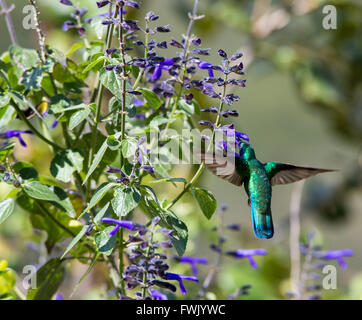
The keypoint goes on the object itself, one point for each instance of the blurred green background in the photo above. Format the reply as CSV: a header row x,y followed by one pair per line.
x,y
302,104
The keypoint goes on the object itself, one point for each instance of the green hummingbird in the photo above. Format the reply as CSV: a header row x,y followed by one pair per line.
x,y
258,179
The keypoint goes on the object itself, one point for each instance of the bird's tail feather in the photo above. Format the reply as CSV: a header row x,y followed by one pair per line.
x,y
262,222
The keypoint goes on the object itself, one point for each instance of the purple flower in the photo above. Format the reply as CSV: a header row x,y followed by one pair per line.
x,y
247,253
66,2
157,295
149,169
193,261
207,66
68,25
59,296
138,102
101,4
54,124
164,65
179,278
15,133
222,53
230,132
124,224
336,254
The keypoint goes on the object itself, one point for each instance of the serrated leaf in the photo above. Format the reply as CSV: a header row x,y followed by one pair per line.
x,y
4,99
49,277
6,208
128,148
104,241
206,201
22,59
152,99
65,163
125,199
75,240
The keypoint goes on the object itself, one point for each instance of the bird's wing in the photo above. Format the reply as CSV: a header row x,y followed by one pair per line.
x,y
283,173
223,167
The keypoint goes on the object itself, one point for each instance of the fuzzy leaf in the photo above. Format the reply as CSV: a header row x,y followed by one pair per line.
x,y
6,208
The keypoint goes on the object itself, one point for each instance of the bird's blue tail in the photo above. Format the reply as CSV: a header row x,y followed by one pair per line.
x,y
262,222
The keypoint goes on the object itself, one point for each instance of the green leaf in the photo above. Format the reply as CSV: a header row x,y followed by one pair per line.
x,y
100,214
57,196
94,63
75,240
125,199
25,170
59,103
111,81
6,208
98,195
6,115
78,117
188,108
104,241
74,48
98,157
49,277
151,206
22,59
5,150
4,99
65,163
113,143
152,99
32,79
206,201
179,239
128,148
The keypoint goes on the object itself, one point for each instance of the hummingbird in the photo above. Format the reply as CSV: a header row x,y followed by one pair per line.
x,y
258,179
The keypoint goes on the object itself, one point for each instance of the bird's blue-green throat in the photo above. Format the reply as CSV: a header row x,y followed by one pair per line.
x,y
258,179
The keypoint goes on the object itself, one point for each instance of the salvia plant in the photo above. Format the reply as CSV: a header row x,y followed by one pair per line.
x,y
115,108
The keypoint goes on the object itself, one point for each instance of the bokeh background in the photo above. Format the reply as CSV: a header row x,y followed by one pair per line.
x,y
302,104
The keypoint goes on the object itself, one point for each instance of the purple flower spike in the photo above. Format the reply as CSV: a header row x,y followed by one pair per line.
x,y
193,261
207,66
125,224
157,295
15,133
164,65
336,254
68,25
248,253
179,278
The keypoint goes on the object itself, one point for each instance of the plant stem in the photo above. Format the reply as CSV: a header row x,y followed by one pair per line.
x,y
192,17
202,165
9,22
294,234
32,128
100,91
211,274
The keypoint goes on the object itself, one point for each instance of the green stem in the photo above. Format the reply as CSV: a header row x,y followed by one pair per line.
x,y
32,128
202,165
100,91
